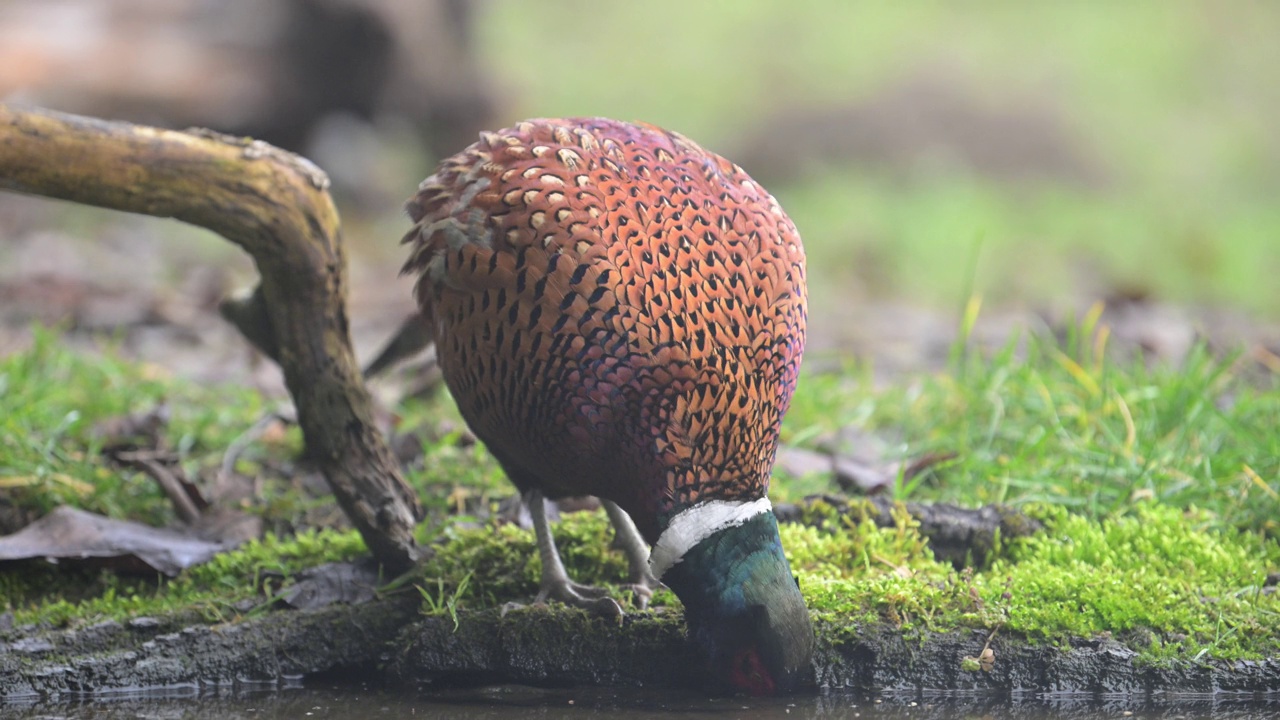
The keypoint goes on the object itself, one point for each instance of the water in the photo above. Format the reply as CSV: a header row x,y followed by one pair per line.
x,y
507,701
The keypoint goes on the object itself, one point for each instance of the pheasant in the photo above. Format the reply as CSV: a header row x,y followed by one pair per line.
x,y
621,313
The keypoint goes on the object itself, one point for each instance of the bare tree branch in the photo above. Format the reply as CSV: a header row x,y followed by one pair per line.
x,y
276,206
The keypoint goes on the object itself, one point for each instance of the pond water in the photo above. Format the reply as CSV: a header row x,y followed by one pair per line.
x,y
508,701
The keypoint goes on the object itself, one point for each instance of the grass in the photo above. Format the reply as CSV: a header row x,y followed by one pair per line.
x,y
1039,244
1040,422
50,401
1157,486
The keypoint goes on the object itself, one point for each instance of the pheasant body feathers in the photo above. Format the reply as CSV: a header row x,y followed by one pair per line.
x,y
621,313
618,311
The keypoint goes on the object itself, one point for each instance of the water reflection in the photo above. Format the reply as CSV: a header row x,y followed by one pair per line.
x,y
507,701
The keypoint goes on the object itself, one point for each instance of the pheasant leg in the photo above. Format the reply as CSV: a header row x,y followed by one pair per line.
x,y
555,581
627,537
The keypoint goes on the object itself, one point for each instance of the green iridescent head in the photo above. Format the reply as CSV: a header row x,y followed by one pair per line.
x,y
744,607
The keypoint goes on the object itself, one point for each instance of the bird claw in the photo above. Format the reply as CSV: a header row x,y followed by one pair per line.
x,y
592,599
641,593
642,586
588,591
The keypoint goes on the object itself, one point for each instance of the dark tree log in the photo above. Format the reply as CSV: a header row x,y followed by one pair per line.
x,y
276,206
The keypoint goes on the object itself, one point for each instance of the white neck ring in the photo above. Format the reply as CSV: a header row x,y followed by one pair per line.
x,y
697,523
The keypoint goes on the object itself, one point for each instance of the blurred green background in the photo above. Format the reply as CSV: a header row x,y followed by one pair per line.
x,y
1043,155
1082,148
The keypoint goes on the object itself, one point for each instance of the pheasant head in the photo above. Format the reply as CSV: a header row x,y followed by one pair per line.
x,y
724,561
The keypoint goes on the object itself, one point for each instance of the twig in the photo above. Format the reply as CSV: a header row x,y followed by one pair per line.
x,y
244,440
172,487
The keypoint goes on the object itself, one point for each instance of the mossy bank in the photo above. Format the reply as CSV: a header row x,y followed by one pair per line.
x,y
1140,552
1140,604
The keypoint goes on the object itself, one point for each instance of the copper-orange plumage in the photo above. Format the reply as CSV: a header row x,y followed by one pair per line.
x,y
619,312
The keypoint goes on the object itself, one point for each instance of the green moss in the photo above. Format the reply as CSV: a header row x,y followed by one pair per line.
x,y
856,572
226,587
1154,570
496,564
1157,572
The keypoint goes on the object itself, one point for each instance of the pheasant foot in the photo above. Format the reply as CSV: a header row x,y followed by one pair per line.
x,y
555,582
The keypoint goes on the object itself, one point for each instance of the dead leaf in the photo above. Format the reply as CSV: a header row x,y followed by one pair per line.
x,y
920,463
1140,494
71,534
858,459
276,433
228,489
869,463
873,476
1267,358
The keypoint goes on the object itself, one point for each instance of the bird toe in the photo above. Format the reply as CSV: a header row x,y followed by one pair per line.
x,y
641,593
592,599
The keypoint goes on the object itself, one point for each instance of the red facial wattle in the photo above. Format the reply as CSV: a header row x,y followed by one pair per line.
x,y
749,674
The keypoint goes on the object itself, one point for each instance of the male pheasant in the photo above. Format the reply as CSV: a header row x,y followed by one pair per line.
x,y
621,313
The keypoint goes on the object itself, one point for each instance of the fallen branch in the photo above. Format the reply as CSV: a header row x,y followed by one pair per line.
x,y
276,207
